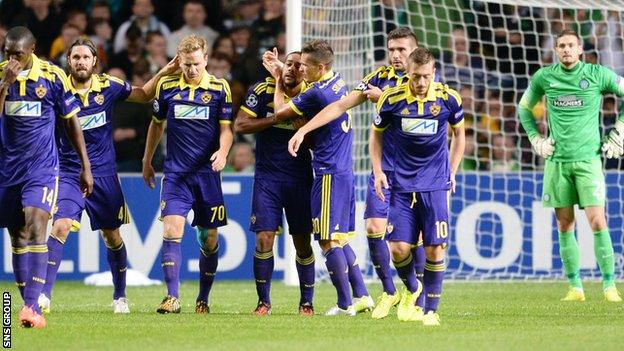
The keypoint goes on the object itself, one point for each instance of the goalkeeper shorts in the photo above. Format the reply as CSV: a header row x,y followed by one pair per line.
x,y
573,183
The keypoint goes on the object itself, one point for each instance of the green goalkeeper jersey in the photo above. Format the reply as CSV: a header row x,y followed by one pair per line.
x,y
573,100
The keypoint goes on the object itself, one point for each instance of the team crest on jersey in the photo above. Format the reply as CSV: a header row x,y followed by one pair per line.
x,y
435,109
584,84
253,219
206,97
162,205
177,97
41,91
99,98
389,228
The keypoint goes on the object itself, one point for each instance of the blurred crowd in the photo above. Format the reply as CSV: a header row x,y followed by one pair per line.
x,y
489,58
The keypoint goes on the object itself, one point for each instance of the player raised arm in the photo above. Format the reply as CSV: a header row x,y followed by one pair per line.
x,y
543,146
146,92
9,75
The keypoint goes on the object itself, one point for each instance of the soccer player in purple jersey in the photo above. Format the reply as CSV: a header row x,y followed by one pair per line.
x,y
401,42
197,109
333,193
418,114
106,207
35,92
281,183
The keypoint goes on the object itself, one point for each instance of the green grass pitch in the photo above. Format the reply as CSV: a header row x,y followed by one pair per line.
x,y
475,316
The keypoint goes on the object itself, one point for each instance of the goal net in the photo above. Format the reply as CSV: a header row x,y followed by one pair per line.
x,y
487,50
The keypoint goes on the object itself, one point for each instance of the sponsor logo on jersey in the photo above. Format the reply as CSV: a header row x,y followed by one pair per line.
x,y
190,112
177,97
419,126
93,121
23,108
405,111
156,106
568,101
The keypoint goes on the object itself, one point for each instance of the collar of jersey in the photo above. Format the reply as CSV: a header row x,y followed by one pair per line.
x,y
35,69
326,76
394,74
203,83
431,94
95,85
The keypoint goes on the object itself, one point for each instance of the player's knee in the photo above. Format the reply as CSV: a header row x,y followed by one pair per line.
x,y
597,223
111,237
36,230
19,237
61,229
172,231
207,238
434,253
399,251
264,241
375,227
302,245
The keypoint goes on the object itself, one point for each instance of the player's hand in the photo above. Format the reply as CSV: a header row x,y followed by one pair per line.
x,y
295,142
218,160
372,93
381,181
453,183
149,175
171,67
10,72
545,147
86,182
270,61
613,143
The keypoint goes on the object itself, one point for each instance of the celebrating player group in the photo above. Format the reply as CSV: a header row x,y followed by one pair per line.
x,y
57,159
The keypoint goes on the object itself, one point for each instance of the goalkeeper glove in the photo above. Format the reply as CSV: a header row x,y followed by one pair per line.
x,y
545,147
613,143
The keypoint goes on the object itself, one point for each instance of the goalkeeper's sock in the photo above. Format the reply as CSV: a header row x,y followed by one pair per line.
x,y
208,262
355,274
571,258
170,261
603,249
263,264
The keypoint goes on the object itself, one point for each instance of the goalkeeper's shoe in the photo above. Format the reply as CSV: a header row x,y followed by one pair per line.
x,y
407,306
121,305
574,294
431,319
201,307
44,303
337,311
384,303
169,304
612,294
362,304
263,309
306,309
29,318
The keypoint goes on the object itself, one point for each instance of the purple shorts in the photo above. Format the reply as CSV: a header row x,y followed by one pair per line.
x,y
200,192
39,192
411,213
374,207
333,206
271,196
105,207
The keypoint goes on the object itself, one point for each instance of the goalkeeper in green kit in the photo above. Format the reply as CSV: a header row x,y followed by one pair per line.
x,y
573,170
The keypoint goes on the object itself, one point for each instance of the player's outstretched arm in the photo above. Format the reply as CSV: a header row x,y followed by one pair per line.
x,y
154,134
226,138
375,142
458,143
9,75
74,133
146,92
328,114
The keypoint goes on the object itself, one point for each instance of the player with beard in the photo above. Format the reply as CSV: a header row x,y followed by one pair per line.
x,y
106,207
